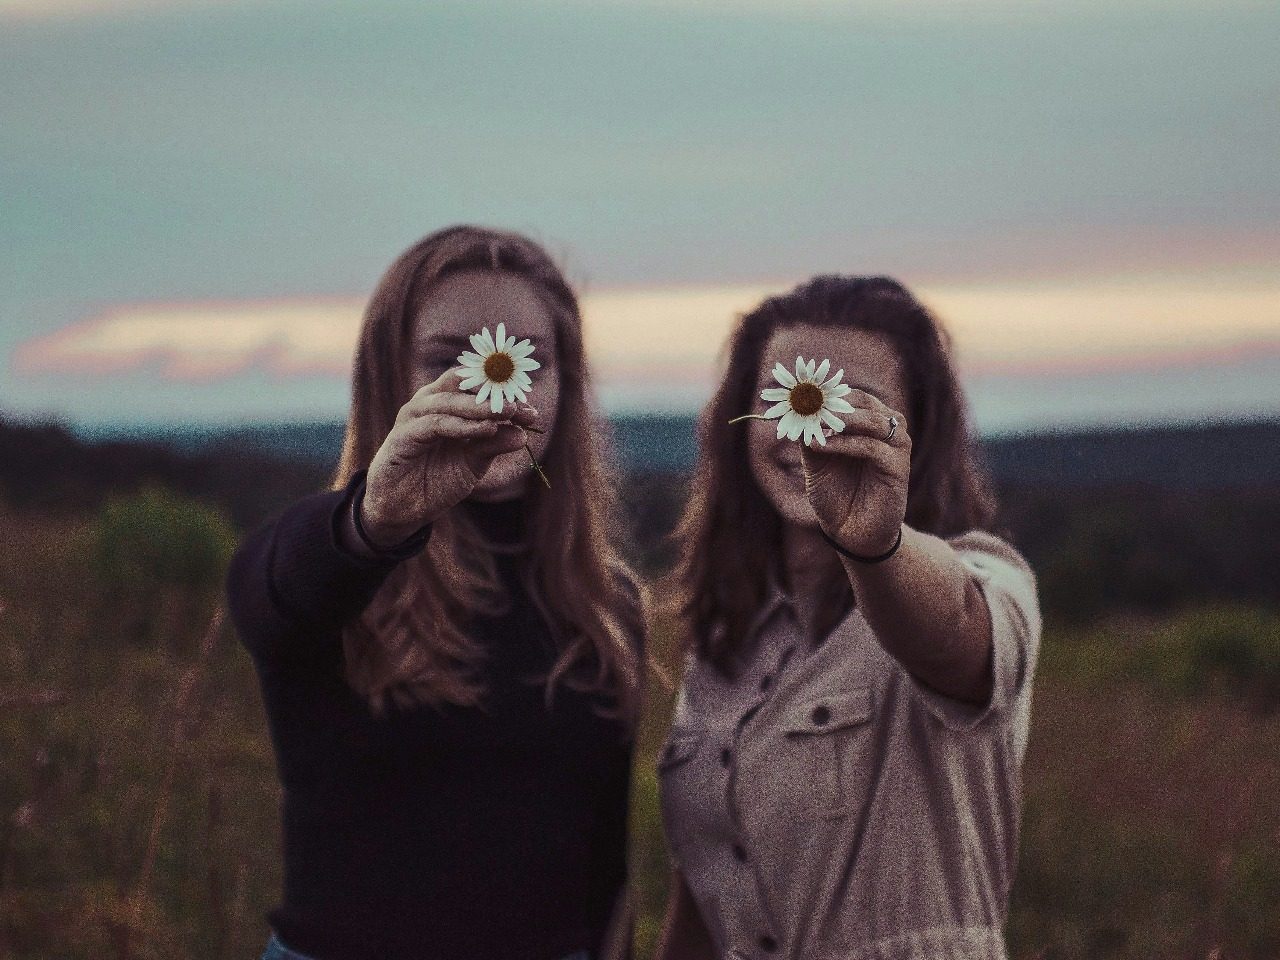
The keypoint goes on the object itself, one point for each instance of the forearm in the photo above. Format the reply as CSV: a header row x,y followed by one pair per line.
x,y
294,574
684,935
928,612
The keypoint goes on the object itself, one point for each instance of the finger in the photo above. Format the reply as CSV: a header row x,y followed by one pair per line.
x,y
857,446
436,426
872,423
506,439
865,400
453,403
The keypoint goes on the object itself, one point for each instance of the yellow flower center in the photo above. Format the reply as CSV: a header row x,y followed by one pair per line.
x,y
499,367
806,399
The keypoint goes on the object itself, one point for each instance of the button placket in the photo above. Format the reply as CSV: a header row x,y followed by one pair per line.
x,y
739,849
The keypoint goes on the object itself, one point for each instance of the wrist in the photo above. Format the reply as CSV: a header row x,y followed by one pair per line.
x,y
378,542
879,555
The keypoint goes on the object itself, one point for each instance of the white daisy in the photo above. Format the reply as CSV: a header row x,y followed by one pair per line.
x,y
500,368
805,401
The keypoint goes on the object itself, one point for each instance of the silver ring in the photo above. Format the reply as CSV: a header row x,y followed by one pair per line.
x,y
893,426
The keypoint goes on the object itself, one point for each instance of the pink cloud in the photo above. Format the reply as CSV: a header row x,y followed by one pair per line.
x,y
998,331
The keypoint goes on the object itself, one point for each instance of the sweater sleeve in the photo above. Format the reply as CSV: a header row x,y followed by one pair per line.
x,y
291,584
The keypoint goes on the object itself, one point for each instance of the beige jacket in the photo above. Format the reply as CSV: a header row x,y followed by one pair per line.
x,y
824,804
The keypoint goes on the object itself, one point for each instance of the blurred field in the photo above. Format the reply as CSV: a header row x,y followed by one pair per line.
x,y
138,796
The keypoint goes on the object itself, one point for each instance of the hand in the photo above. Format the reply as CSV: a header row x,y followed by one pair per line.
x,y
857,483
439,449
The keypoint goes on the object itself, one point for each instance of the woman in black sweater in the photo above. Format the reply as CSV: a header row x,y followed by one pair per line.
x,y
449,644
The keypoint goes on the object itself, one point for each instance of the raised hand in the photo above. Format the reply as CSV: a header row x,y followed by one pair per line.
x,y
857,482
440,447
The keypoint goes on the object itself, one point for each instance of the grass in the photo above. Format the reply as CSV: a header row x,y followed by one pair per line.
x,y
139,800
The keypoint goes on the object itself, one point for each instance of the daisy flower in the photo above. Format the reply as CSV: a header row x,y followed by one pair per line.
x,y
499,367
806,401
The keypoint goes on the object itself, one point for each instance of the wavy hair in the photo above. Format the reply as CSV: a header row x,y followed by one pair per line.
x,y
716,586
411,644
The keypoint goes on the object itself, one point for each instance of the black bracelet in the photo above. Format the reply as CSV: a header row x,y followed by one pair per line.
x,y
401,551
853,556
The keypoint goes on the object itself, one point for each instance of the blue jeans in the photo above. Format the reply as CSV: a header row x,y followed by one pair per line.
x,y
278,951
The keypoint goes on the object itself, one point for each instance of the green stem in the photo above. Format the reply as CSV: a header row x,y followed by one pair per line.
x,y
535,464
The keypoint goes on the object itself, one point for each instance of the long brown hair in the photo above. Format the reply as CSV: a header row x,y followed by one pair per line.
x,y
716,584
411,644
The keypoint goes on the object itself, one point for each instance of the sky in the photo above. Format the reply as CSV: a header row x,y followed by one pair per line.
x,y
196,198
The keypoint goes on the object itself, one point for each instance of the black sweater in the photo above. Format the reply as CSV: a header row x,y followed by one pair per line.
x,y
444,833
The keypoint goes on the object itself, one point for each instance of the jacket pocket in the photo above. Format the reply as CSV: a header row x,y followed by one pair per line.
x,y
834,727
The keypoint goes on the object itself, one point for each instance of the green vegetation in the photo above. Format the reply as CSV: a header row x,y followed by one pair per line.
x,y
139,800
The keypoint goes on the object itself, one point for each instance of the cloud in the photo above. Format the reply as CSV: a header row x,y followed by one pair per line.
x,y
666,341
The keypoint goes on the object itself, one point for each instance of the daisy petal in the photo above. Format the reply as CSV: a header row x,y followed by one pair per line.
x,y
839,390
821,371
477,342
487,338
801,369
783,375
815,433
839,404
521,349
778,409
485,389
469,359
473,381
495,401
500,338
835,379
809,368
774,393
831,420
527,364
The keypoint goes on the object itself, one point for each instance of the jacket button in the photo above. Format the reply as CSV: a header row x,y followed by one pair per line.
x,y
725,755
767,943
821,714
739,852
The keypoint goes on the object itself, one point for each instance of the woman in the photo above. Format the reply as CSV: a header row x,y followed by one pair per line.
x,y
842,774
449,650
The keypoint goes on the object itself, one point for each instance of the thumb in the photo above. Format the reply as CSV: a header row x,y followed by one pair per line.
x,y
813,456
481,453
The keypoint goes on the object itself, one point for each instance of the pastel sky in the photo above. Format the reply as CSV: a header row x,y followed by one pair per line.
x,y
197,197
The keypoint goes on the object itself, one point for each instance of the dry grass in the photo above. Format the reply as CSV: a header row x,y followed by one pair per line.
x,y
139,801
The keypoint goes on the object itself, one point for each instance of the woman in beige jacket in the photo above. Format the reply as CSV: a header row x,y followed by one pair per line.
x,y
842,775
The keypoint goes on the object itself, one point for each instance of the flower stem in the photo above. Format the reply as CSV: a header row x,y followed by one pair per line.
x,y
749,416
535,464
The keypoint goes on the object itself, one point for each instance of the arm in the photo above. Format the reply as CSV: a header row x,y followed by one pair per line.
x,y
684,935
928,612
295,578
307,571
924,605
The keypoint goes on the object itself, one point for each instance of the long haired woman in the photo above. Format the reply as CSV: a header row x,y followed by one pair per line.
x,y
449,641
841,778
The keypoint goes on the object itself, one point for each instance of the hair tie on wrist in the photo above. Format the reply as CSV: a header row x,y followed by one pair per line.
x,y
853,556
401,551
